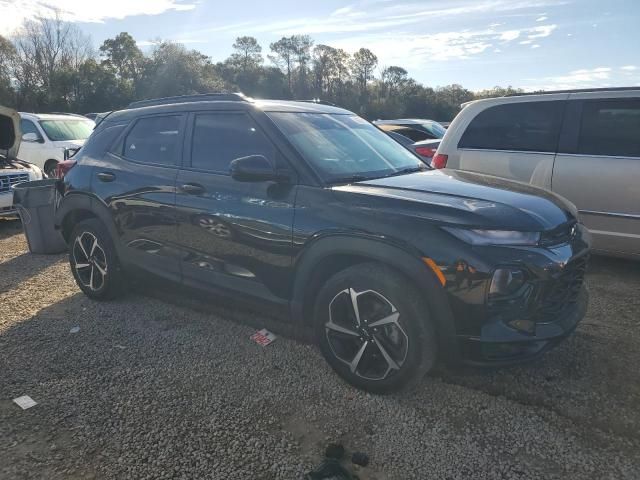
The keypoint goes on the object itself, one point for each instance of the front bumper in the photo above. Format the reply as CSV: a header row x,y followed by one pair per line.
x,y
500,345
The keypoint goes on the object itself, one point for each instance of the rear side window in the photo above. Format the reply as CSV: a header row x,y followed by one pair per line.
x,y
100,140
154,140
413,134
530,126
220,138
610,127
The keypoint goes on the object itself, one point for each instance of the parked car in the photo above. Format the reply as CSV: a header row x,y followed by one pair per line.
x,y
46,136
12,170
424,150
582,144
413,128
314,213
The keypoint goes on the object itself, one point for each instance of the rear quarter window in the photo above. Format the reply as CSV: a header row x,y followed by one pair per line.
x,y
526,126
101,140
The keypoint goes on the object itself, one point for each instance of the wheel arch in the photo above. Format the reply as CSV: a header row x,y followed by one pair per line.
x,y
330,254
77,207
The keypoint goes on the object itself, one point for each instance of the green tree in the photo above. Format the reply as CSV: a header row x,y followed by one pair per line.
x,y
7,57
363,63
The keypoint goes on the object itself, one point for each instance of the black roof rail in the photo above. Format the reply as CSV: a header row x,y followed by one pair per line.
x,y
575,90
201,97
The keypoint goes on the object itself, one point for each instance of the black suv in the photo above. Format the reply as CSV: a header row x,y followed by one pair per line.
x,y
313,211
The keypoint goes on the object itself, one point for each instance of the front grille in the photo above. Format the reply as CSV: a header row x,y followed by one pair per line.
x,y
7,181
562,291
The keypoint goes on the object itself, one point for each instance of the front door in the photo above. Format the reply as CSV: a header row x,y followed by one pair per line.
x,y
236,235
599,168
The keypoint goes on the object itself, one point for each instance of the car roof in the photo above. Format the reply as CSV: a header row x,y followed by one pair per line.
x,y
174,105
594,93
52,116
415,121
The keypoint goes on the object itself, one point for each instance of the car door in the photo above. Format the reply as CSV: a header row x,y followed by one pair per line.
x,y
136,183
236,235
598,167
517,141
33,151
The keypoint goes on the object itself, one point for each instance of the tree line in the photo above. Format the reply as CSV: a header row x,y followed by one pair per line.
x,y
51,65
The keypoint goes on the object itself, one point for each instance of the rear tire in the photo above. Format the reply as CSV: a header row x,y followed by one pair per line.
x,y
94,262
374,328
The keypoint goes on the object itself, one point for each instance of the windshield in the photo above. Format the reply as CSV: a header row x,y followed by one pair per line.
x,y
60,130
344,147
435,128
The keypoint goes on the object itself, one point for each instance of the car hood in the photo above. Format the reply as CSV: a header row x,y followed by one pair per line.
x,y
472,199
9,132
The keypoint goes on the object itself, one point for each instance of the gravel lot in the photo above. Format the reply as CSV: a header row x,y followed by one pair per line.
x,y
154,386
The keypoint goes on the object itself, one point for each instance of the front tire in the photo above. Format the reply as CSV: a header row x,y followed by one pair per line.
x,y
374,328
93,261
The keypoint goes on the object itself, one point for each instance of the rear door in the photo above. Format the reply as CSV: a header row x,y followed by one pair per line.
x,y
136,182
517,141
598,169
236,236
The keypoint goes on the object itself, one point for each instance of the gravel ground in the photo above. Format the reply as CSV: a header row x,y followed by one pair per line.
x,y
159,387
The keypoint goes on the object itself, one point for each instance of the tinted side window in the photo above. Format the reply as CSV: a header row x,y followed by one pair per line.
x,y
154,140
101,140
530,126
219,138
610,127
27,126
413,134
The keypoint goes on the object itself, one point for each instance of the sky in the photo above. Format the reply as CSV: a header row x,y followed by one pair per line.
x,y
529,44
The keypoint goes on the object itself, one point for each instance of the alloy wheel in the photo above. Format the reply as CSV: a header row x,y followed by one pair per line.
x,y
89,261
365,333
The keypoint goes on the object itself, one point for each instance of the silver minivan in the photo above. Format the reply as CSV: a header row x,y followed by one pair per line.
x,y
583,145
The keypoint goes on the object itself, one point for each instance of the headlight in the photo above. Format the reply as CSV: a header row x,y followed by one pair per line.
x,y
494,237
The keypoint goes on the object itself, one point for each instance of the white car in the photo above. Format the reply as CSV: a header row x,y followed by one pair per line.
x,y
45,137
12,171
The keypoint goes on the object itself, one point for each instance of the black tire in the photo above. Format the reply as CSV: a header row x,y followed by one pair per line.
x,y
50,168
100,276
379,291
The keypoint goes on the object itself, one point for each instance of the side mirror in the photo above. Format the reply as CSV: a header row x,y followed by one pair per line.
x,y
31,137
255,168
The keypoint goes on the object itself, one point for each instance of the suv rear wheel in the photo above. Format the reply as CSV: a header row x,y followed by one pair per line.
x,y
374,328
93,260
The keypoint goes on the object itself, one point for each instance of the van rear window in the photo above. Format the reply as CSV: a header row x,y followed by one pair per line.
x,y
528,126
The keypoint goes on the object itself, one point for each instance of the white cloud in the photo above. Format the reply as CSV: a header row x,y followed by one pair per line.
x,y
542,31
526,42
585,78
510,35
629,68
14,12
542,18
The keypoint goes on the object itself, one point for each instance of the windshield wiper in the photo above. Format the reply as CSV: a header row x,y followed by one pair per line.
x,y
407,170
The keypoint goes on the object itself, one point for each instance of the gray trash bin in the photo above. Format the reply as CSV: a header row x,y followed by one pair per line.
x,y
35,202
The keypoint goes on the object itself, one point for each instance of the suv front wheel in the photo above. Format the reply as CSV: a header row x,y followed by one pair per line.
x,y
374,329
93,260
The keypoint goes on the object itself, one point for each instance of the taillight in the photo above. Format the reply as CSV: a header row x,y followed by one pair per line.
x,y
439,161
426,151
63,168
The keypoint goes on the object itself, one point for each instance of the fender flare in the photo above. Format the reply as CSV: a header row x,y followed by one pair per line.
x,y
406,262
75,201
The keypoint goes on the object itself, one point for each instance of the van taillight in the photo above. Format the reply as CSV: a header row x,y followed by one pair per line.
x,y
439,161
427,152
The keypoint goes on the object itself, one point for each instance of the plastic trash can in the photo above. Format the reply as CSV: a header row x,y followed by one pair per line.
x,y
35,202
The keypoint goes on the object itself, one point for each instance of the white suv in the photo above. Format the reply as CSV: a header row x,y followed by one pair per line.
x,y
12,171
583,145
46,136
